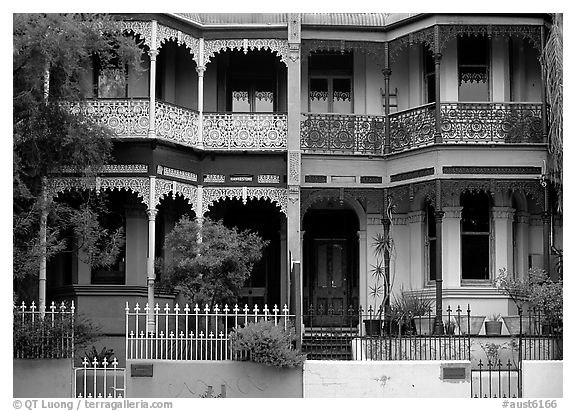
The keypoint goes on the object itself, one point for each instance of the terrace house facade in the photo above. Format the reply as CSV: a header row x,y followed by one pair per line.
x,y
320,131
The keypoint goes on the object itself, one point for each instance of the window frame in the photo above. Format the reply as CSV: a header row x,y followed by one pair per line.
x,y
488,67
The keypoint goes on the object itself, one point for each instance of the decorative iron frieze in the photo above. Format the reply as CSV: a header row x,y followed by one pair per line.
x,y
450,32
315,179
413,128
175,173
397,195
254,131
490,170
279,46
372,49
141,28
530,188
165,33
164,187
276,195
108,169
409,175
492,122
424,36
425,190
310,196
352,134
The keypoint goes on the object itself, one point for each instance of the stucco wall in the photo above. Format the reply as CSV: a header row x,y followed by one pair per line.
x,y
42,378
542,379
383,379
188,380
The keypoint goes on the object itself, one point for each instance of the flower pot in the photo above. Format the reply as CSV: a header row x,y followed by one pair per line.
x,y
476,322
513,325
450,328
493,327
373,327
424,325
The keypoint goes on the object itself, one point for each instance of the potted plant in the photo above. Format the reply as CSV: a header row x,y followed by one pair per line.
x,y
381,290
470,324
539,293
450,326
493,325
412,312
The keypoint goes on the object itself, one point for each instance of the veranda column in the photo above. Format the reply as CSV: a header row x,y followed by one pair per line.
x,y
293,172
546,221
437,58
284,277
438,215
150,274
387,72
362,264
152,53
503,245
417,272
451,246
200,70
522,243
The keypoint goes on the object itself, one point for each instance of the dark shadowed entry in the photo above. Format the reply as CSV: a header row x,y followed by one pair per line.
x,y
331,265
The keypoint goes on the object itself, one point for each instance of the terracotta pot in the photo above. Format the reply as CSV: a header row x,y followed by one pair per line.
x,y
493,327
424,324
513,325
476,322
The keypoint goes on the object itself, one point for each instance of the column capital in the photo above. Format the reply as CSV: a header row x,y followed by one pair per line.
x,y
387,72
522,217
437,57
153,54
438,216
416,216
200,70
504,213
452,212
151,214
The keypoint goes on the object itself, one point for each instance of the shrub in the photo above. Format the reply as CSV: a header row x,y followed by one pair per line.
x,y
266,343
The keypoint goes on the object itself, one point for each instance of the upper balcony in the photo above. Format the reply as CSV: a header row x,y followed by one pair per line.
x,y
130,118
441,84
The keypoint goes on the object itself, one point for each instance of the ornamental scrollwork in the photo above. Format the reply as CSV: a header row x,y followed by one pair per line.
x,y
211,195
138,185
176,124
373,49
273,194
294,159
165,34
225,131
279,46
126,118
141,28
531,188
450,32
413,128
425,36
164,187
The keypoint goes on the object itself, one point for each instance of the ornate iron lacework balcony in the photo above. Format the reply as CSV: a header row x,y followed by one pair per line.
x,y
245,131
492,122
412,128
342,133
222,131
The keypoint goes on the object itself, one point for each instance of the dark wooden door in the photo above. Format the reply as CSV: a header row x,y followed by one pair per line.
x,y
329,291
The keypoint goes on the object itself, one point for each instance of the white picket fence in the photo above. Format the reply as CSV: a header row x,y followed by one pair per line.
x,y
99,379
190,334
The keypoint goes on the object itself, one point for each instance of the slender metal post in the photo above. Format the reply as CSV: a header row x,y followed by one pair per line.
x,y
387,73
438,215
152,110
437,58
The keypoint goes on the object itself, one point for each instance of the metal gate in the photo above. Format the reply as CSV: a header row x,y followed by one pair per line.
x,y
99,379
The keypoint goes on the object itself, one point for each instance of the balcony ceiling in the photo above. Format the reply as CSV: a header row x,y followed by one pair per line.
x,y
323,19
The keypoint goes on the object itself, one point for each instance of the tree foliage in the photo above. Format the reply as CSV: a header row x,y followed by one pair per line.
x,y
552,64
52,55
213,270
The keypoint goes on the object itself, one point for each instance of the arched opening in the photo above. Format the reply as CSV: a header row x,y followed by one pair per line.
x,y
260,216
331,262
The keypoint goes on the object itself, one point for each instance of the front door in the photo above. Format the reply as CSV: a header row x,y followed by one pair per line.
x,y
330,281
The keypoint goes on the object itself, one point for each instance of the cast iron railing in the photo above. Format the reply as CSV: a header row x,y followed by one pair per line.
x,y
492,122
342,133
412,128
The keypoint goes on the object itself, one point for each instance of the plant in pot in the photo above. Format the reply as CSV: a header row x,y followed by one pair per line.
x,y
493,325
540,294
416,309
380,291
